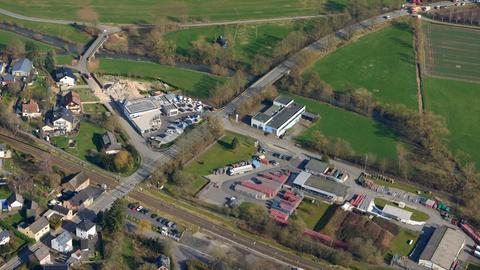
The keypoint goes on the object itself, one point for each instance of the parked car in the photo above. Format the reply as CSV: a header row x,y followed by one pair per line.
x,y
154,216
274,162
139,208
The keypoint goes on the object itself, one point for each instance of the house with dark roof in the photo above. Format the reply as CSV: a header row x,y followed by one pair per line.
x,y
278,118
7,79
30,109
83,199
36,230
86,229
22,67
15,202
72,102
66,213
64,77
442,249
59,121
80,181
110,144
32,209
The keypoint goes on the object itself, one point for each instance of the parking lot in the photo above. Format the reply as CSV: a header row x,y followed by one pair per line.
x,y
163,225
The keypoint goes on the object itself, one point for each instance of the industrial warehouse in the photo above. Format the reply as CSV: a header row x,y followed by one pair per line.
x,y
278,118
319,186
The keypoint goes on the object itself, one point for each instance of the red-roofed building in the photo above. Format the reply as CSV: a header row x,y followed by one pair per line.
x,y
30,109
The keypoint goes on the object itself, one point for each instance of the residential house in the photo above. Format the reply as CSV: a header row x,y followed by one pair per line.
x,y
60,122
78,182
40,253
31,109
110,144
15,202
64,77
66,213
4,151
83,199
87,247
86,229
63,242
22,68
7,79
163,262
36,230
72,102
4,237
32,209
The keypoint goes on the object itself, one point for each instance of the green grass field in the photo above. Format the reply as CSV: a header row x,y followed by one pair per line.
x,y
193,83
399,245
6,36
4,192
311,213
63,60
450,52
219,155
383,62
416,214
89,137
127,11
473,267
66,32
96,108
459,103
86,95
246,40
364,135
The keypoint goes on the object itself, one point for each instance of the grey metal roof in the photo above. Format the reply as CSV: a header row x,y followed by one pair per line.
x,y
140,105
262,117
61,113
284,100
443,247
60,209
85,194
4,234
284,115
14,198
110,141
23,65
333,187
316,165
58,74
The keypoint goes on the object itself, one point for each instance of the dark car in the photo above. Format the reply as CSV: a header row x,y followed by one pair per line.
x,y
160,219
154,216
144,211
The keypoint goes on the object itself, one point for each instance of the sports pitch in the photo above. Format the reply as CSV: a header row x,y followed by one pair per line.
x,y
452,52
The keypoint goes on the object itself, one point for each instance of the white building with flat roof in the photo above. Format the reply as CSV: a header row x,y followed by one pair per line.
x,y
144,114
277,119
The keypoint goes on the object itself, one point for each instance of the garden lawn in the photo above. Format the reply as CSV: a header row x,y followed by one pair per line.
x,y
96,108
459,103
4,193
363,134
399,245
63,60
86,95
6,37
311,213
89,137
245,40
193,83
64,32
416,214
383,62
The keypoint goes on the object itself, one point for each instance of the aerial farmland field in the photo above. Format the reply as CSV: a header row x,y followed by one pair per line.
x,y
452,52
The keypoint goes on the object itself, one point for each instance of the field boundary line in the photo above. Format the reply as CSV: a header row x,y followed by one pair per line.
x,y
471,27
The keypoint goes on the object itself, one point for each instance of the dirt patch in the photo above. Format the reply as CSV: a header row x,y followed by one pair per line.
x,y
123,88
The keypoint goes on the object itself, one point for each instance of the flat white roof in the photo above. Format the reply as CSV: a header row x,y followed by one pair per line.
x,y
144,121
397,212
301,178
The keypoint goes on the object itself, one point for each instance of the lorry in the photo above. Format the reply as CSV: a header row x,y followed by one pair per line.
x,y
239,170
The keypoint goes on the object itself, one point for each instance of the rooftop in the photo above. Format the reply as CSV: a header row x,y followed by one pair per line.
x,y
283,100
63,238
30,107
317,183
397,212
316,165
140,105
63,72
39,250
85,225
61,210
23,64
284,115
145,121
38,225
85,194
443,247
78,180
72,97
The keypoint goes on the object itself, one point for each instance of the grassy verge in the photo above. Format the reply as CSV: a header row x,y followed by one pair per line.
x,y
66,32
364,134
64,59
400,246
6,37
383,62
416,214
193,83
473,267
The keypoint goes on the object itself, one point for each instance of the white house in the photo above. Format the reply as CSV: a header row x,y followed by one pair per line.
x,y
60,121
15,202
4,237
22,68
86,229
64,77
4,151
63,242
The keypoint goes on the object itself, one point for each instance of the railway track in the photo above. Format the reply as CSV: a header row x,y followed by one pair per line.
x,y
240,240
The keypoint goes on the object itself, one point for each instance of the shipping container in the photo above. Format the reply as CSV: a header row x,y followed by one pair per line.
x,y
470,232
